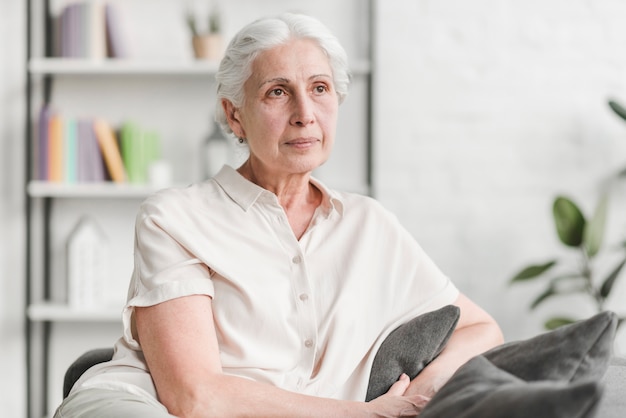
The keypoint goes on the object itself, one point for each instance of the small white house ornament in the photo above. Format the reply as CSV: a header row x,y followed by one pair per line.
x,y
87,261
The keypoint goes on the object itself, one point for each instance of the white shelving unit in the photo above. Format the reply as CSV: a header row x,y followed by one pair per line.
x,y
57,66
63,313
43,189
58,333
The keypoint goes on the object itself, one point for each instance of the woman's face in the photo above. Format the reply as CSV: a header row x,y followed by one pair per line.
x,y
290,109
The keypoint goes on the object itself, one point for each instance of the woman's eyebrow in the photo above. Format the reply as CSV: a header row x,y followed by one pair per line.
x,y
284,80
281,80
322,75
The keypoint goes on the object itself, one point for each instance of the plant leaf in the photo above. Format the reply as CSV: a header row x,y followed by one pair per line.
x,y
549,292
554,290
533,271
556,322
608,283
618,109
594,229
569,221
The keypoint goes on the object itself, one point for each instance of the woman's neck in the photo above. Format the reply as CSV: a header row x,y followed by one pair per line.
x,y
297,196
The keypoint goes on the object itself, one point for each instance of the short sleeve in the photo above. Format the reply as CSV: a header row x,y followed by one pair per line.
x,y
165,264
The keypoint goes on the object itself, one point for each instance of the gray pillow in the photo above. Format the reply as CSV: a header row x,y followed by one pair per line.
x,y
482,390
578,351
555,374
410,347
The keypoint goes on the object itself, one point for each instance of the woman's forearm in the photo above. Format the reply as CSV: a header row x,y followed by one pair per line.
x,y
464,344
180,346
230,396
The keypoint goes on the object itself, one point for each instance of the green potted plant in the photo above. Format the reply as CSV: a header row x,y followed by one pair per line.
x,y
207,40
585,237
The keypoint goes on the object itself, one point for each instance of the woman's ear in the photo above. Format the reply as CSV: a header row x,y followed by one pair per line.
x,y
233,119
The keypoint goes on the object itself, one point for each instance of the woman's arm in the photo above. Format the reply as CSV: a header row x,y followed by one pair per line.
x,y
475,333
179,342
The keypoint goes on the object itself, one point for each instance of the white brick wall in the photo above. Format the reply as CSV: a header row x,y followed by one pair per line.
x,y
485,110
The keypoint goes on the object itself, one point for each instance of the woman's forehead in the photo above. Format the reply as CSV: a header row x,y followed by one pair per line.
x,y
300,57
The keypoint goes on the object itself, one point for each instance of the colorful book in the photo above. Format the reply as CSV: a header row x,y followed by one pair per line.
x,y
131,148
41,146
90,164
70,151
110,150
55,149
95,39
139,149
70,41
117,39
94,159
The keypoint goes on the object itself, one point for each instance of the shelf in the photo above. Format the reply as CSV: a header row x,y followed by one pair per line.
x,y
60,66
61,312
113,66
89,190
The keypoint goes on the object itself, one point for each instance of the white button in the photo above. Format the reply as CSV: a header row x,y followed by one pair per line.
x,y
304,297
308,343
297,259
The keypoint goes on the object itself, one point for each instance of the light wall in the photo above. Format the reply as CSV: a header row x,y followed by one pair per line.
x,y
12,358
485,111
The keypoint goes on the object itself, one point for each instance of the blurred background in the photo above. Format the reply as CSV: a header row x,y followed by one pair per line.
x,y
466,119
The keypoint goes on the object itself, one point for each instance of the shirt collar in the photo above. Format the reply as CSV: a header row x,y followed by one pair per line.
x,y
245,193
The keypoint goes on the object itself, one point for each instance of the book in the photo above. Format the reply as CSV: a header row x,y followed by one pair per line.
x,y
55,149
90,165
80,30
70,151
110,150
93,159
116,30
95,30
40,163
131,148
139,149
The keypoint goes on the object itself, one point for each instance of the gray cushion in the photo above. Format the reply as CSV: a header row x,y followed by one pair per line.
x,y
555,374
82,364
613,403
482,390
578,351
410,347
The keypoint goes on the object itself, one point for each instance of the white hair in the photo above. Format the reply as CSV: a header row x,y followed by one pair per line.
x,y
267,33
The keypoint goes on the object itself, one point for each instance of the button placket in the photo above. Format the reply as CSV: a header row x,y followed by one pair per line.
x,y
308,327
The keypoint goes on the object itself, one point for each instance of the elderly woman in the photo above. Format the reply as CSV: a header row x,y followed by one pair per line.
x,y
261,292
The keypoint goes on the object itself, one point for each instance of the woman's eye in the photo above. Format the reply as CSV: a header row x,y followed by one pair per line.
x,y
320,89
277,92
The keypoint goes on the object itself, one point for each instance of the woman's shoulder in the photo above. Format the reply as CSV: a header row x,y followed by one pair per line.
x,y
179,197
354,203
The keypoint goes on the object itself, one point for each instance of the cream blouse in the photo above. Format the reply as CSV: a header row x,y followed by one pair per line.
x,y
305,315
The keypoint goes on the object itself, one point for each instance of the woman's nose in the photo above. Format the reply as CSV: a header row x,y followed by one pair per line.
x,y
302,113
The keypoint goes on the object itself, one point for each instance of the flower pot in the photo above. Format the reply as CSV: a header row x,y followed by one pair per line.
x,y
208,47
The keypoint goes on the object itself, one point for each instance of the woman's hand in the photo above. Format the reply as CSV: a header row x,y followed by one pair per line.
x,y
395,403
